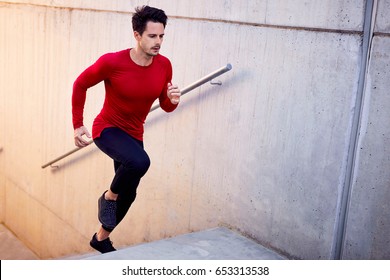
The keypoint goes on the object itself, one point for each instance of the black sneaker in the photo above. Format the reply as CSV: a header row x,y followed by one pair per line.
x,y
103,246
107,212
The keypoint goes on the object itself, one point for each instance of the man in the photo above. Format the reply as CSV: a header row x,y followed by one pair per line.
x,y
133,78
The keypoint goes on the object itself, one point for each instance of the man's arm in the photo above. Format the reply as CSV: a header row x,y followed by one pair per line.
x,y
90,77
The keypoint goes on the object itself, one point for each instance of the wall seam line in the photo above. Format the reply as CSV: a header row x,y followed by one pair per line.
x,y
234,22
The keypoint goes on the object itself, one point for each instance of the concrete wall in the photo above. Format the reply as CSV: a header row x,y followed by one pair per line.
x,y
265,153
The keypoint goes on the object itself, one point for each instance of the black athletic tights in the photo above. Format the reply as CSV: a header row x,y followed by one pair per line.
x,y
130,162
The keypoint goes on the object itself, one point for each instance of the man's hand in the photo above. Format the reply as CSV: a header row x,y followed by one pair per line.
x,y
173,94
79,141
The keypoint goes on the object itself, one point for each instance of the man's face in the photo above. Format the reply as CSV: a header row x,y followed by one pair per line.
x,y
151,40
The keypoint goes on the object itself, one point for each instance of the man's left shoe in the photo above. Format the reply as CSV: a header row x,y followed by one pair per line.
x,y
103,246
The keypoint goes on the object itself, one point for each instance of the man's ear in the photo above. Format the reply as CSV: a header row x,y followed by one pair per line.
x,y
137,36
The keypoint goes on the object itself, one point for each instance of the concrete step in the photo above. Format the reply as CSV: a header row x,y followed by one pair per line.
x,y
214,244
11,248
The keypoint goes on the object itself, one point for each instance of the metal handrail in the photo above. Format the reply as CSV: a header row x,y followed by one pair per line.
x,y
188,88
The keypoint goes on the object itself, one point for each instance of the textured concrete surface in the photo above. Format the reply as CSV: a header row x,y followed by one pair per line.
x,y
213,244
367,235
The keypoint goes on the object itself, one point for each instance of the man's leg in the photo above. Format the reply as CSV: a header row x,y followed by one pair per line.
x,y
131,163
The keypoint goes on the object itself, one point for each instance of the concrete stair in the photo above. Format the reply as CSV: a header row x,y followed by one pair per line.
x,y
11,248
214,244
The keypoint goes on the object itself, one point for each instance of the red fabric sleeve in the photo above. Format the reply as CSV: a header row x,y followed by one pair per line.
x,y
91,76
165,102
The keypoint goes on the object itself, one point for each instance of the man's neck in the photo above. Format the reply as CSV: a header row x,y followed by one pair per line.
x,y
140,58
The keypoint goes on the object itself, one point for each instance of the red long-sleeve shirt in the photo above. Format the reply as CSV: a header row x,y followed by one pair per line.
x,y
130,92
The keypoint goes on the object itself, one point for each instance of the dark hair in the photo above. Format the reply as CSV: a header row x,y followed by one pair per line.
x,y
144,14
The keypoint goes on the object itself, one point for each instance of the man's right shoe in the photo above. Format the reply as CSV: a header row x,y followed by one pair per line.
x,y
107,212
103,246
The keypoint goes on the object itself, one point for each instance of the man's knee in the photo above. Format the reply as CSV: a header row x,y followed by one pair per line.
x,y
143,165
139,165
